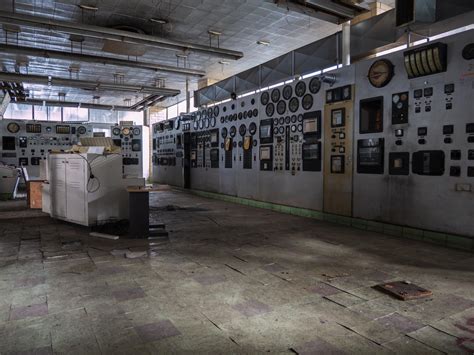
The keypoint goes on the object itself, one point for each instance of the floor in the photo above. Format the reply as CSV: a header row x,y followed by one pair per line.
x,y
230,279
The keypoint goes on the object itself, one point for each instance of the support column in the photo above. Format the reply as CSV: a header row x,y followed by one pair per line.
x,y
346,43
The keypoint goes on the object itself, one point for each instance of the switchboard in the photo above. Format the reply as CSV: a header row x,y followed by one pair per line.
x,y
134,143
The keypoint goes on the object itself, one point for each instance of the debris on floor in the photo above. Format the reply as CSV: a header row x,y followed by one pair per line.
x,y
104,235
404,290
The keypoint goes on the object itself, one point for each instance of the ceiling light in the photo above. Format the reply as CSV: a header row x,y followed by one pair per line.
x,y
161,21
224,62
214,33
88,7
181,55
263,42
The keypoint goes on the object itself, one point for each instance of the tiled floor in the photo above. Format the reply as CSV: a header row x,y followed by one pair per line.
x,y
230,279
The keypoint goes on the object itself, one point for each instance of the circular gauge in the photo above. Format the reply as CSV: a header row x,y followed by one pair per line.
x,y
252,102
224,108
206,123
242,130
403,97
275,95
468,52
253,128
136,131
254,143
242,104
281,107
395,98
287,92
224,132
222,119
216,111
275,130
245,115
232,107
275,121
196,125
399,105
300,128
210,112
234,117
307,102
281,129
294,104
177,123
300,118
82,130
240,115
48,129
282,120
255,112
293,128
213,122
270,110
287,119
125,131
201,124
249,113
13,127
315,85
380,73
300,89
198,115
232,131
293,119
265,98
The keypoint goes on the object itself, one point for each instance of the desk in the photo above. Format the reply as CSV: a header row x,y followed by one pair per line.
x,y
139,212
34,193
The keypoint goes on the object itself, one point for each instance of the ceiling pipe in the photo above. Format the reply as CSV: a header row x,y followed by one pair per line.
x,y
39,102
84,84
68,56
113,34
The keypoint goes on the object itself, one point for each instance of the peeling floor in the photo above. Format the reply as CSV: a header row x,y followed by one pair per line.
x,y
230,279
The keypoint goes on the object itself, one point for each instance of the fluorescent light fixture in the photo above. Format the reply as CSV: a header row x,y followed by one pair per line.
x,y
224,62
181,55
161,21
88,7
263,42
214,32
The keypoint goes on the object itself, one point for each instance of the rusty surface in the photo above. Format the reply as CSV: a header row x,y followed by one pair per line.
x,y
404,290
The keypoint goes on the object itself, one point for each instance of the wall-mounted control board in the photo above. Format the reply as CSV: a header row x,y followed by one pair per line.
x,y
134,143
26,143
388,139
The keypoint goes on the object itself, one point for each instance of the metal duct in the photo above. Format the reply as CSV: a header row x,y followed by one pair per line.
x,y
84,84
113,34
39,102
68,56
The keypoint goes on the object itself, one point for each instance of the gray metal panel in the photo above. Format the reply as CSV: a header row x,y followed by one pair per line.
x,y
318,55
277,70
451,8
225,88
373,33
247,81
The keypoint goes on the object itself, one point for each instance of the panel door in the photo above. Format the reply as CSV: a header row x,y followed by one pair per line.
x,y
338,160
58,183
76,189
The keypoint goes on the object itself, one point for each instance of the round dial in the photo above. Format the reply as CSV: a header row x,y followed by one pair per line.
x,y
48,129
210,112
81,130
281,130
253,128
293,128
242,130
242,104
287,92
287,119
234,117
201,124
203,113
300,118
300,89
282,120
255,112
307,102
468,52
116,131
265,98
240,115
136,131
232,131
198,115
216,111
315,85
213,122
13,127
270,110
294,104
222,119
206,123
249,114
196,125
245,115
224,132
275,121
125,131
232,107
293,119
281,107
275,130
380,73
275,95
300,127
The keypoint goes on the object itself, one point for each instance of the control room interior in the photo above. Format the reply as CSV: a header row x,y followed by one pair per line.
x,y
236,177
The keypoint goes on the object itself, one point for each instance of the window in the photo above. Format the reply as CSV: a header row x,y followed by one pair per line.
x,y
75,114
19,112
172,111
40,113
136,117
54,113
103,116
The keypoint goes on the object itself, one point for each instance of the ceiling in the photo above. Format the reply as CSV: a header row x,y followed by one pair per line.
x,y
241,22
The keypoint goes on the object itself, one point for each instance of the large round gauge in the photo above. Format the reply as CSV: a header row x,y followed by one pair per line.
x,y
307,102
468,52
293,128
213,122
300,88
253,128
380,73
315,85
203,113
125,131
294,104
206,123
82,130
242,130
245,115
240,115
232,131
255,112
224,132
287,119
281,130
281,107
210,112
275,95
293,119
116,131
275,130
300,118
270,109
196,125
136,131
13,127
275,121
287,92
282,120
216,111
201,124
